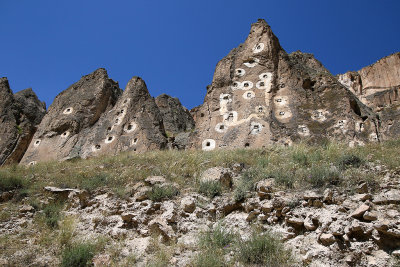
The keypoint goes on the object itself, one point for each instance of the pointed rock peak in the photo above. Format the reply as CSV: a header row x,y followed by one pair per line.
x,y
136,87
4,85
101,72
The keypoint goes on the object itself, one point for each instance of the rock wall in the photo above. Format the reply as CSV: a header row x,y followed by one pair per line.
x,y
20,114
260,95
94,117
378,86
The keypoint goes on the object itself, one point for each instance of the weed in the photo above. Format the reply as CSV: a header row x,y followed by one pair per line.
x,y
210,188
78,255
321,175
263,248
159,193
217,238
52,214
209,258
350,161
67,231
10,182
94,182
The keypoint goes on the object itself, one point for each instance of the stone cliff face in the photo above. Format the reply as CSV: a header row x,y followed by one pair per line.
x,y
20,114
378,86
260,95
70,118
176,117
94,117
134,124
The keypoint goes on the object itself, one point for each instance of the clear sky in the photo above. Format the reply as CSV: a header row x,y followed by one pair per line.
x,y
175,45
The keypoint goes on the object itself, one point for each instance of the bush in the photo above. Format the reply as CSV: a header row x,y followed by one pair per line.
x,y
10,182
78,255
159,193
350,161
265,249
95,181
321,175
209,258
217,238
52,214
210,188
301,158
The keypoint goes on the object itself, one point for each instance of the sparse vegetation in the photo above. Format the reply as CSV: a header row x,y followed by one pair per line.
x,y
78,255
52,214
264,249
298,167
210,188
159,193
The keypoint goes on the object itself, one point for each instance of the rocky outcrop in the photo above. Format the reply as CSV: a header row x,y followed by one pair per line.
x,y
260,95
176,118
378,86
133,124
20,114
91,117
70,118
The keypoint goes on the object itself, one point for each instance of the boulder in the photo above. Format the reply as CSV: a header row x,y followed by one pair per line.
x,y
220,174
188,205
389,197
327,239
359,212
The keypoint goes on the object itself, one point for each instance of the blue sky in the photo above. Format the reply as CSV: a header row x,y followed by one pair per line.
x,y
175,45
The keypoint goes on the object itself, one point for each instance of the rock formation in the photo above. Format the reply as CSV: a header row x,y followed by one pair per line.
x,y
20,113
178,122
91,117
260,95
134,124
176,117
378,86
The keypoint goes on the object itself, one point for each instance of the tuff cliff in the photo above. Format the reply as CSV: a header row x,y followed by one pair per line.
x,y
20,114
260,95
378,86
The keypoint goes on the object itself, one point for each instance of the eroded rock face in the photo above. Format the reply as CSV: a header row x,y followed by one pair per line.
x,y
176,117
94,117
134,124
378,86
261,95
70,118
20,114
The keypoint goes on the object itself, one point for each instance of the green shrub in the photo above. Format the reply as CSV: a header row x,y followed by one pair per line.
x,y
10,182
300,157
248,180
94,182
217,238
159,193
78,255
321,175
350,161
210,188
209,258
52,214
263,249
